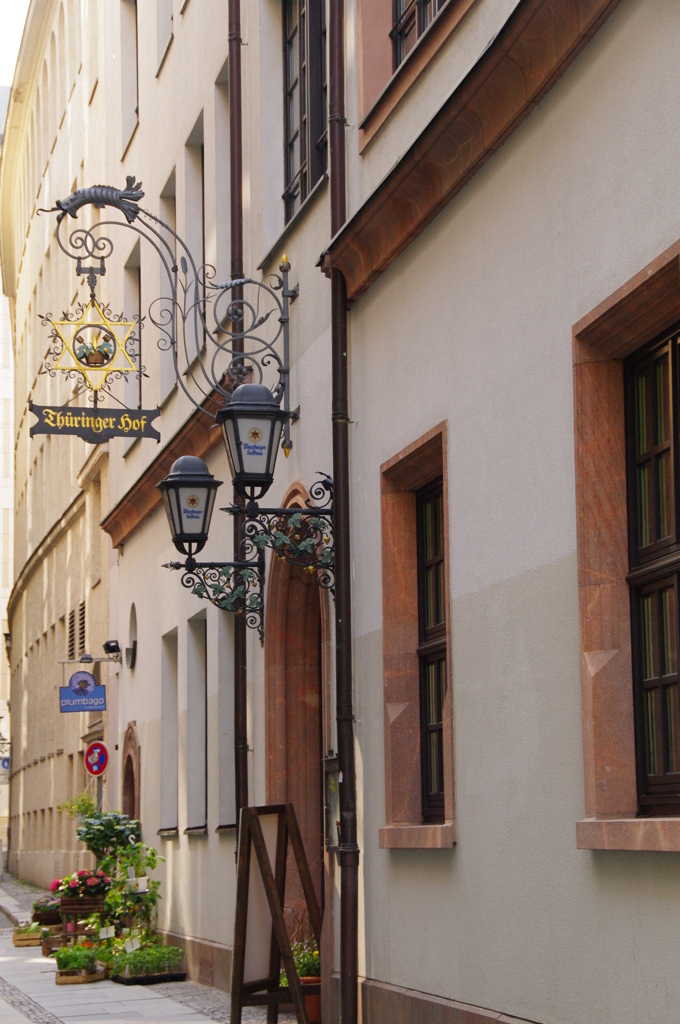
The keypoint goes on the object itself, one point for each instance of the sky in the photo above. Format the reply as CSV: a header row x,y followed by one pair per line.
x,y
12,18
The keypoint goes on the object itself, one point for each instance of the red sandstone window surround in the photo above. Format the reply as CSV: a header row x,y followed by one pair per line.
x,y
416,655
641,310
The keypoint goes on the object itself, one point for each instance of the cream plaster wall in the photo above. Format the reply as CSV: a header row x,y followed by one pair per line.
x,y
54,138
584,194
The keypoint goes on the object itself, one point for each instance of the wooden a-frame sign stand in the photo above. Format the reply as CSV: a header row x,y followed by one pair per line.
x,y
257,945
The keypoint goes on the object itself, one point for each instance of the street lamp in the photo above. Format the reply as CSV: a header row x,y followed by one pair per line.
x,y
251,427
189,495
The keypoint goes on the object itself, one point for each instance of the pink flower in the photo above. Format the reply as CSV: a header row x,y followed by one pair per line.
x,y
83,874
55,884
92,881
73,884
101,873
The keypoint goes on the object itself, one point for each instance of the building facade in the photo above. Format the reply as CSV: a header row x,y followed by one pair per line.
x,y
510,259
58,606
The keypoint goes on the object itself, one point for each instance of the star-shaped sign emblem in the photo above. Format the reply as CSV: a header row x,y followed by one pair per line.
x,y
94,345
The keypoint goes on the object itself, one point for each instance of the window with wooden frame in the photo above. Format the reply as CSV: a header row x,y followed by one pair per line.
x,y
419,783
410,19
431,645
305,90
654,556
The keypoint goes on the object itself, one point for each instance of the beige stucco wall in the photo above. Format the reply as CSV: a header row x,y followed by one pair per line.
x,y
54,137
515,918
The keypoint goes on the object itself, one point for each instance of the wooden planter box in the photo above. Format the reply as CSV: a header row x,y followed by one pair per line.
x,y
81,905
79,977
149,979
27,939
46,917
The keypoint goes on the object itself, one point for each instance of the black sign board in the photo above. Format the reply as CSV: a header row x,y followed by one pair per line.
x,y
94,425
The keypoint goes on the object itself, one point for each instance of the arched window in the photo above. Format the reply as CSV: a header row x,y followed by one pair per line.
x,y
73,42
52,94
62,67
131,649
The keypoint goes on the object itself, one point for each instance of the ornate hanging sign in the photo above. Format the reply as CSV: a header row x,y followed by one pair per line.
x,y
94,425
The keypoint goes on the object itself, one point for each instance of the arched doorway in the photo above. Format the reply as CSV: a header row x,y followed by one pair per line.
x,y
295,655
131,766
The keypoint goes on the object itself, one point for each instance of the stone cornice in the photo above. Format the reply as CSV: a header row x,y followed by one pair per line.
x,y
536,46
198,436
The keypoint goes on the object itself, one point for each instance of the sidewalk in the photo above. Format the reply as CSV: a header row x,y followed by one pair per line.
x,y
16,899
28,993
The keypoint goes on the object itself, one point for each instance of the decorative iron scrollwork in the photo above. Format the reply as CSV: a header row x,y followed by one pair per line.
x,y
301,536
236,587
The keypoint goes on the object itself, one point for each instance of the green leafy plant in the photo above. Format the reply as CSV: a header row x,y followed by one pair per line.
x,y
107,950
108,835
306,959
79,806
124,903
28,929
147,960
76,958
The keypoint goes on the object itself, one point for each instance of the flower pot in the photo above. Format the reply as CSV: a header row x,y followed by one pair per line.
x,y
312,1000
46,917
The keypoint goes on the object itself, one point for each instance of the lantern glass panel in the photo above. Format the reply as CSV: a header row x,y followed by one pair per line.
x,y
254,432
274,451
230,445
193,503
172,510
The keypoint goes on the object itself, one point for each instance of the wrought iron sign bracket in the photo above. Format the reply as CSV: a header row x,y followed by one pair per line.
x,y
303,537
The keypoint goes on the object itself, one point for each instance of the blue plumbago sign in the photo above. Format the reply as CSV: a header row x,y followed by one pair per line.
x,y
82,694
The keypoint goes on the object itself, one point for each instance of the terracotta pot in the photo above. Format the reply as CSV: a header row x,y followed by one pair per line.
x,y
312,1002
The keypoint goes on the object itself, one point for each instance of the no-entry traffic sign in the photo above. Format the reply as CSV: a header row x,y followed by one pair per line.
x,y
96,758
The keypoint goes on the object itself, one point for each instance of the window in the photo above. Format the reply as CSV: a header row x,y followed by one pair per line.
x,y
431,646
81,628
306,136
419,784
71,650
654,547
129,69
411,18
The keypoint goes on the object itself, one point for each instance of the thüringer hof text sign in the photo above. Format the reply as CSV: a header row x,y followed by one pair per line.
x,y
94,425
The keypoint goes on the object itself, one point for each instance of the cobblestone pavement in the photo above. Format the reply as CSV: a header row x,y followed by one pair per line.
x,y
213,1003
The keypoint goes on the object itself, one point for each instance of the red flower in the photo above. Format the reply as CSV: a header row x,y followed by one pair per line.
x,y
101,873
73,884
83,874
92,881
55,884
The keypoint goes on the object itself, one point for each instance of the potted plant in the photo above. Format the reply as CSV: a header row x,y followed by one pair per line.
x,y
47,910
77,965
27,934
82,892
148,965
308,966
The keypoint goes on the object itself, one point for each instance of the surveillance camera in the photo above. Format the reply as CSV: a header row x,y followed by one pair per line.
x,y
111,647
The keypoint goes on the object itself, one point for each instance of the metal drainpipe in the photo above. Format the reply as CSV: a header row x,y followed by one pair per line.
x,y
348,851
236,206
